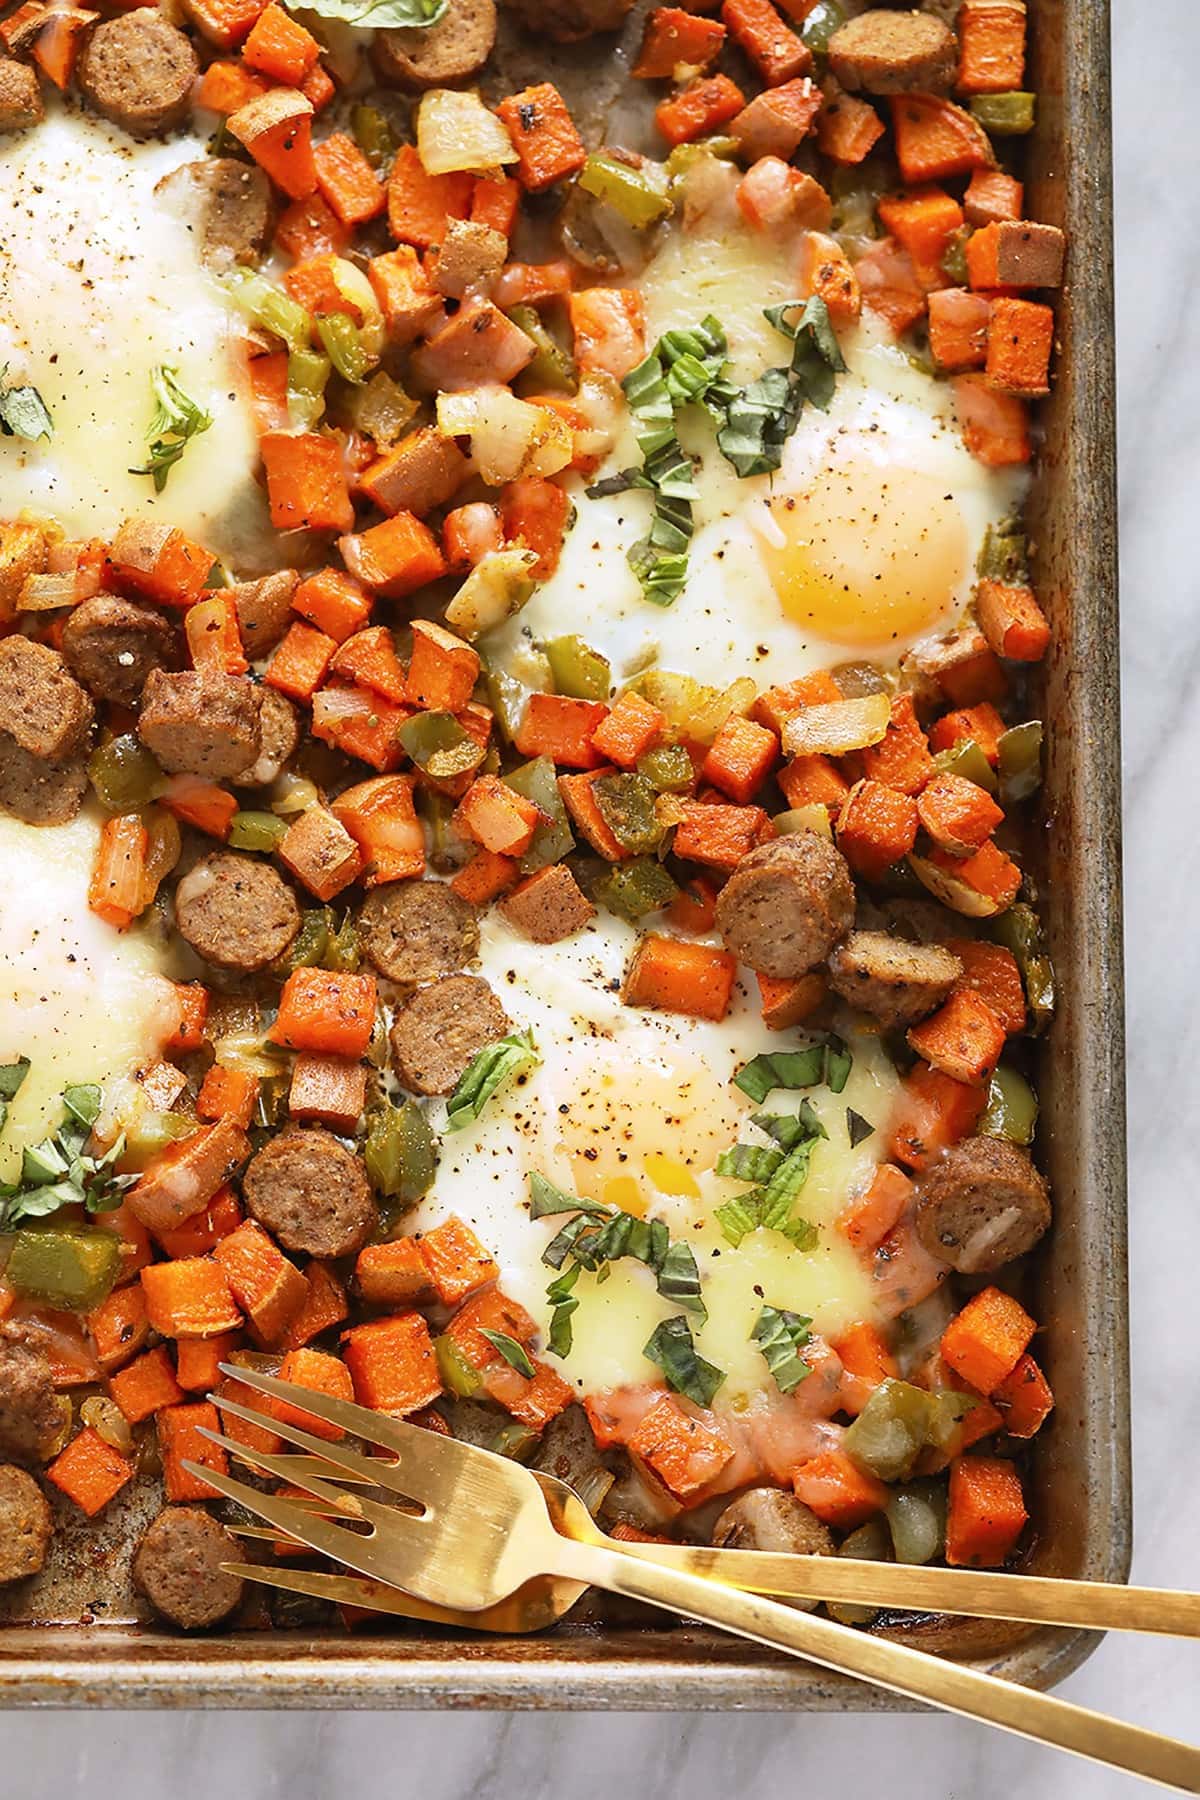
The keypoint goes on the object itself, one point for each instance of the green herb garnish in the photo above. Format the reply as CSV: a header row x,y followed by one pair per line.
x,y
11,1076
57,1172
781,1336
177,420
672,1349
381,15
761,417
825,1064
514,1354
486,1073
857,1128
23,412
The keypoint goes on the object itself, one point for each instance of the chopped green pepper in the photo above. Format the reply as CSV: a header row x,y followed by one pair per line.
x,y
148,1134
633,889
668,769
947,1410
870,1543
1002,555
124,775
820,23
1012,1107
400,1152
684,157
626,803
64,1266
1020,931
343,952
1005,115
372,133
916,1516
256,831
1020,751
954,257
458,1375
312,940
891,1430
344,347
508,698
439,746
516,1441
307,373
271,308
537,781
552,367
637,192
382,409
966,759
578,670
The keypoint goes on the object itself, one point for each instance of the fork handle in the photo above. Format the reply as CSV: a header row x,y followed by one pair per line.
x,y
913,1673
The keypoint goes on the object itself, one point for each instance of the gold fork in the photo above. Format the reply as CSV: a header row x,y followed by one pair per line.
x,y
1027,1599
478,1530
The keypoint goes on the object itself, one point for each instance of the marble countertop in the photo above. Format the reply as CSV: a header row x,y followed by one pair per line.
x,y
460,1756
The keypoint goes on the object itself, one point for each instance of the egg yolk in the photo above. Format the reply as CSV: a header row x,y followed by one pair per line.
x,y
865,553
629,1139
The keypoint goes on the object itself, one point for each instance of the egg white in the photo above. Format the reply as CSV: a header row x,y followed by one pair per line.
x,y
100,281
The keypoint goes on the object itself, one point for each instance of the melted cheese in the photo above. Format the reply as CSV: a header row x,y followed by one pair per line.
x,y
82,1002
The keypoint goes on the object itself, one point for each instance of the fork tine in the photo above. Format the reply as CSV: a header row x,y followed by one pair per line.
x,y
297,1464
361,1553
360,1468
356,1590
318,1484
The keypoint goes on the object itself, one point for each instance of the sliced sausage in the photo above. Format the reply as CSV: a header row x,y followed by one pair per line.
x,y
202,722
38,792
434,56
982,1204
42,706
569,21
442,1028
111,645
470,256
264,609
279,733
417,930
177,1566
786,904
236,911
311,1193
26,1525
769,1519
20,96
33,1417
886,52
226,204
896,982
548,906
138,70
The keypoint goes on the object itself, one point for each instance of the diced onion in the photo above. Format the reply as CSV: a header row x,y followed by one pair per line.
x,y
497,587
814,817
839,727
952,891
455,131
293,794
108,1422
510,438
354,287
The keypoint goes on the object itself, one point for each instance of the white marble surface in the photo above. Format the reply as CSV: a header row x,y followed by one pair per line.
x,y
297,1757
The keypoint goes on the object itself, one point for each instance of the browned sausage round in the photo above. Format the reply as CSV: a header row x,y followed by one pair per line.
x,y
311,1193
887,52
177,1565
236,911
264,609
441,1028
202,723
786,904
226,204
42,706
982,1204
417,930
33,1417
39,792
112,644
26,1525
896,982
768,1519
433,56
279,733
569,21
138,71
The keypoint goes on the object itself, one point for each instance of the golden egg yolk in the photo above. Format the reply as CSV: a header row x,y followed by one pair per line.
x,y
865,553
647,1130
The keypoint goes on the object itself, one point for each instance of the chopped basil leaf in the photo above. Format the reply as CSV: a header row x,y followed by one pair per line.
x,y
514,1354
381,15
83,1103
749,1162
672,1349
838,1064
487,1073
857,1127
597,1237
679,1279
177,420
801,1234
58,1172
564,1303
828,1064
11,1076
738,1218
781,1336
23,412
760,419
789,1128
545,1198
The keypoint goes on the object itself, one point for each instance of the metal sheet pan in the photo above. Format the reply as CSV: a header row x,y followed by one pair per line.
x,y
1080,1468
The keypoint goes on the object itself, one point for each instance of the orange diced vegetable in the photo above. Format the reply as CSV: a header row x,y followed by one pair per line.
x,y
90,1472
813,781
991,972
189,1298
925,223
347,181
485,877
306,482
395,557
979,724
685,1453
958,328
369,658
269,1289
179,1441
184,1178
674,40
991,874
1024,1399
557,726
330,1089
443,669
323,1307
200,803
888,281
119,1326
469,533
766,40
204,1230
958,814
198,1360
1012,621
227,1094
382,819
310,228
496,816
876,827
276,128
839,1492
964,1038
456,1260
301,661
326,1010
224,22
936,140
716,834
319,851
158,563
848,127
279,46
393,1274
629,729
993,196
1020,339
932,1112
986,1513
534,1400
864,1352
901,759
868,1218
543,134
741,757
788,1000
823,268
534,514
609,329
392,1364
420,206
324,1374
56,47
995,426
214,639
116,891
334,602
984,1341
225,86
360,723
145,1386
701,107
494,202
776,705
673,976
991,46
580,802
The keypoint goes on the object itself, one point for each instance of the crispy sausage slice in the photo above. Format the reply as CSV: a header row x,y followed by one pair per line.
x,y
26,1525
418,930
441,55
769,1519
888,52
177,1566
111,644
982,1204
226,204
42,706
441,1028
311,1193
569,21
138,70
279,733
548,906
20,96
202,723
33,1417
236,911
38,792
786,904
896,982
